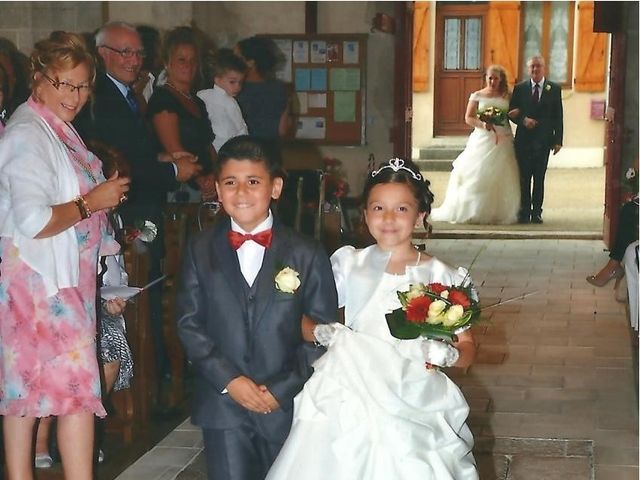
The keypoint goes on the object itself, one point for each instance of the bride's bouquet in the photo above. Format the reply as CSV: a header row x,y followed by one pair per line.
x,y
434,311
492,115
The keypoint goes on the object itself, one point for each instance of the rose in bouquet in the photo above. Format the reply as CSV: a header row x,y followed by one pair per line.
x,y
434,311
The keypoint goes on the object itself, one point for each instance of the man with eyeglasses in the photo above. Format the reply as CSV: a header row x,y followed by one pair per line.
x,y
115,119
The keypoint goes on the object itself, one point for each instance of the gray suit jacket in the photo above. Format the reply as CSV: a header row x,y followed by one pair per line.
x,y
227,332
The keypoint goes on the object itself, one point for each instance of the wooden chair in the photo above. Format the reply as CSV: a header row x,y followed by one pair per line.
x,y
132,406
179,220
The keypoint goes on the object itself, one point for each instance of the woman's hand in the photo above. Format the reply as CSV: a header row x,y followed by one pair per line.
x,y
488,126
513,114
115,306
108,194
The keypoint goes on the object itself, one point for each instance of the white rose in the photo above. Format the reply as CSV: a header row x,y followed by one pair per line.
x,y
287,280
415,290
454,314
148,232
435,310
445,294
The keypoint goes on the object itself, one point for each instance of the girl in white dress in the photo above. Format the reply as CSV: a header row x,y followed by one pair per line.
x,y
372,410
484,186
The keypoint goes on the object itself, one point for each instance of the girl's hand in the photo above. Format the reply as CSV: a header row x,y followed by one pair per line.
x,y
109,194
115,306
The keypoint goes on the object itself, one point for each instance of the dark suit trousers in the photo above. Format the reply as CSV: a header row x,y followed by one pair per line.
x,y
238,453
532,162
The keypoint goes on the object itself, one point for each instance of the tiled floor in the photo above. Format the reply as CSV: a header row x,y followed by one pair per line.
x,y
552,390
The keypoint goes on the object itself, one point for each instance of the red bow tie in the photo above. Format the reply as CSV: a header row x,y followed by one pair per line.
x,y
236,239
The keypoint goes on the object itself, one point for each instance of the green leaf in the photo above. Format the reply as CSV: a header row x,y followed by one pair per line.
x,y
400,327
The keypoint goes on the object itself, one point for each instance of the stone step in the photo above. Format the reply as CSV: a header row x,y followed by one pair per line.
x,y
433,165
449,152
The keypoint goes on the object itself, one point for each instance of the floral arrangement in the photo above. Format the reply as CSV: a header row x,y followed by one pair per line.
x,y
287,280
336,185
144,230
547,87
434,311
492,115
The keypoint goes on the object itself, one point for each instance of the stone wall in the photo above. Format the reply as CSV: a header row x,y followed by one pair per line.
x,y
24,23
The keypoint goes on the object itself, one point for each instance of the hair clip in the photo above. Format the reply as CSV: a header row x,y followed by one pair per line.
x,y
397,164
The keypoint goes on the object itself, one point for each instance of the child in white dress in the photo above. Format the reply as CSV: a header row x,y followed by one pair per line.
x,y
372,410
227,71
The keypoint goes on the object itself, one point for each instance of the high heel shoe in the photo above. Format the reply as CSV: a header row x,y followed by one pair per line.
x,y
601,281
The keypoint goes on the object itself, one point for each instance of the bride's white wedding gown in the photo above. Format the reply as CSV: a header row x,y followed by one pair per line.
x,y
484,186
371,410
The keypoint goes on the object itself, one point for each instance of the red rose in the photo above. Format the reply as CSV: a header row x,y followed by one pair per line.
x,y
459,298
437,288
417,309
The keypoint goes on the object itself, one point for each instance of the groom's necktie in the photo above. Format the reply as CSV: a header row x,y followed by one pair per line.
x,y
536,94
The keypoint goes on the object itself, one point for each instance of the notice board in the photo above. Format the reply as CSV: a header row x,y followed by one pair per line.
x,y
327,77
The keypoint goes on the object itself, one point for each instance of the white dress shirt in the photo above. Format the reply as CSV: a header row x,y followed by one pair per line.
x,y
540,85
250,253
224,114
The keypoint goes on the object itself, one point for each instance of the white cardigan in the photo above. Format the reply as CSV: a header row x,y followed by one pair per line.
x,y
36,173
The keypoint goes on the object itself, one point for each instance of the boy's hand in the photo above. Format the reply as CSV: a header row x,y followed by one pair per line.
x,y
246,393
270,398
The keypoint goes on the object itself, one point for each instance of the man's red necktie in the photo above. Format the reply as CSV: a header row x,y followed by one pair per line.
x,y
236,239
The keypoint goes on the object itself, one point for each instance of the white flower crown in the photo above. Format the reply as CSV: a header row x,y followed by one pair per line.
x,y
397,164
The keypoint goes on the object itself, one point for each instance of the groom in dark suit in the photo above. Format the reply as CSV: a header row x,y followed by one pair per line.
x,y
245,287
536,106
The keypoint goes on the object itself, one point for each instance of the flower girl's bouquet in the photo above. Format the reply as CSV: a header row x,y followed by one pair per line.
x,y
433,311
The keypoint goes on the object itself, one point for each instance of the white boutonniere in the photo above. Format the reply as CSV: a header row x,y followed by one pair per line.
x,y
287,280
547,87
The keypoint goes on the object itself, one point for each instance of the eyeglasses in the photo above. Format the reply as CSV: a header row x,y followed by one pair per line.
x,y
127,52
67,87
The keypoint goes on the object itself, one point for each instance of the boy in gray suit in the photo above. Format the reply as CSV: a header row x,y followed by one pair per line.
x,y
246,286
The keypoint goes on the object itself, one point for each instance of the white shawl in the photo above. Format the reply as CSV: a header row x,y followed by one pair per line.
x,y
36,173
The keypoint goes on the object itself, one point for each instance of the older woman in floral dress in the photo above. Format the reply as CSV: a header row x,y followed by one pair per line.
x,y
53,226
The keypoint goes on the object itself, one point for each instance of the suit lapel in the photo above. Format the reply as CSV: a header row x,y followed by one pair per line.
x,y
265,288
227,259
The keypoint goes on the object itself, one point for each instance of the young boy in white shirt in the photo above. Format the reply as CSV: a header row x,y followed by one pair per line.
x,y
228,71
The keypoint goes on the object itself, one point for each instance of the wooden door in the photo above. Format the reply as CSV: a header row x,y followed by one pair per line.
x,y
459,63
614,136
403,94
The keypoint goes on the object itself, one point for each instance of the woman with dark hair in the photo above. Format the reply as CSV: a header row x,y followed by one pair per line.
x,y
53,227
371,409
179,117
264,101
484,186
16,66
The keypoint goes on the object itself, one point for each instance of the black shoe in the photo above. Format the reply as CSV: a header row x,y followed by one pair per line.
x,y
536,219
523,218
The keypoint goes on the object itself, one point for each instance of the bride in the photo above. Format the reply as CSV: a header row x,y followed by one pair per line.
x,y
484,186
